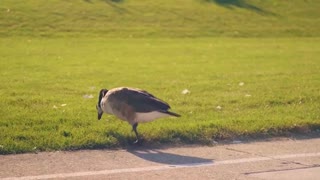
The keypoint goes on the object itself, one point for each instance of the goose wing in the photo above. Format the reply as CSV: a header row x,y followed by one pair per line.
x,y
140,100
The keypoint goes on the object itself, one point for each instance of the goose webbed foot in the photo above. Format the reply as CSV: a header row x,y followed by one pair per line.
x,y
138,142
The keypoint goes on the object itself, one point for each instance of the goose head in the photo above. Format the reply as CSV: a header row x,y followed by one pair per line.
x,y
102,93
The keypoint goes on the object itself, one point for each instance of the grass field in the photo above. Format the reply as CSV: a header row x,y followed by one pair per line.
x,y
252,69
165,18
280,92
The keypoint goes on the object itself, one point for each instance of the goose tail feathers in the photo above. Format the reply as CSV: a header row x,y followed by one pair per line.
x,y
172,113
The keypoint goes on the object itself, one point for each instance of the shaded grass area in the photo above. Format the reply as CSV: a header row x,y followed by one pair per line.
x,y
238,88
166,18
241,4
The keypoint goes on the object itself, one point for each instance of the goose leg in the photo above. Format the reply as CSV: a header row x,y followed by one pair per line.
x,y
134,128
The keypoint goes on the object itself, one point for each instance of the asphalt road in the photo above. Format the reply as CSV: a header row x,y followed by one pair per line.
x,y
272,159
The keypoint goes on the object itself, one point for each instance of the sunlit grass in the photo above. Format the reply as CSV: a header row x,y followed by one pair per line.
x,y
263,86
251,67
165,18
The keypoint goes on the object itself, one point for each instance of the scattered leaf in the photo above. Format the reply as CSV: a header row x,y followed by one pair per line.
x,y
88,96
185,91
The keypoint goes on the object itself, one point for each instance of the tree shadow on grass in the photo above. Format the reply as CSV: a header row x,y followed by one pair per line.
x,y
157,156
241,4
106,1
113,3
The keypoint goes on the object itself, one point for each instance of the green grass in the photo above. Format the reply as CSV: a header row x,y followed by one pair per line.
x,y
282,77
165,18
58,51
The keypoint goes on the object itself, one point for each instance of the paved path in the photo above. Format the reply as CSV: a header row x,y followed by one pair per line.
x,y
276,159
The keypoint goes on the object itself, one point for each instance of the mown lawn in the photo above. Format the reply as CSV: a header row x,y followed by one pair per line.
x,y
165,18
238,87
251,66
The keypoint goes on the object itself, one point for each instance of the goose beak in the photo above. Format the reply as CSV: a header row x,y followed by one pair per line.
x,y
100,112
99,115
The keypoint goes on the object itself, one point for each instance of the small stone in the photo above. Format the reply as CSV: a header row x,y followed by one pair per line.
x,y
236,142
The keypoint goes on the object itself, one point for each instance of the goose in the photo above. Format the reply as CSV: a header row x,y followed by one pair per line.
x,y
132,105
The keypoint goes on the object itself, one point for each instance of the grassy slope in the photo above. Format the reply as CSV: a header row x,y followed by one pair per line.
x,y
178,18
280,74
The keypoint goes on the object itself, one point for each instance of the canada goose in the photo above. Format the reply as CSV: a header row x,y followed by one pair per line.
x,y
132,105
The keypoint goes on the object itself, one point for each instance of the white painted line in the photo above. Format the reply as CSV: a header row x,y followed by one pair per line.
x,y
289,174
164,167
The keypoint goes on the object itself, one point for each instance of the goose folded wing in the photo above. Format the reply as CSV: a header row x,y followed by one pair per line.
x,y
142,101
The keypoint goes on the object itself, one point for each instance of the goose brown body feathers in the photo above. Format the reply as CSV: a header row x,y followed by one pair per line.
x,y
132,105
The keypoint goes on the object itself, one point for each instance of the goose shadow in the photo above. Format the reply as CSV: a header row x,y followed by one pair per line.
x,y
157,156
